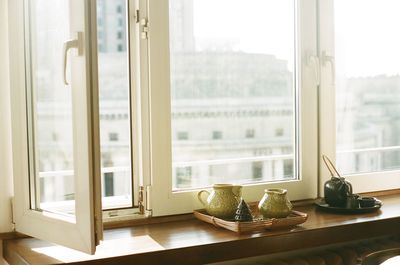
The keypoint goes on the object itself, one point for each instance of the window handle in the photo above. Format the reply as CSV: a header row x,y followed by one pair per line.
x,y
326,58
313,61
69,44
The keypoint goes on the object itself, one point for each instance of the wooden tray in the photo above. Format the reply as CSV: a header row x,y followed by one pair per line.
x,y
258,223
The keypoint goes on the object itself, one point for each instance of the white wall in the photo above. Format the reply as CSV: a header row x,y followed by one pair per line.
x,y
5,134
5,130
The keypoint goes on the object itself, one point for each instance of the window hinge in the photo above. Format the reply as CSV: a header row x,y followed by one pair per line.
x,y
143,24
145,201
144,33
12,214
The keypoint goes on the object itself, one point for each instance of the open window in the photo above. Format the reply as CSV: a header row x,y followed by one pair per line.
x,y
54,98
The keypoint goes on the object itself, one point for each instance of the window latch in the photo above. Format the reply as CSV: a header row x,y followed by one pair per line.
x,y
313,61
69,44
329,59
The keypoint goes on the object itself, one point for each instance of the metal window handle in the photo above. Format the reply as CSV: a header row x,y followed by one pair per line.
x,y
76,43
326,58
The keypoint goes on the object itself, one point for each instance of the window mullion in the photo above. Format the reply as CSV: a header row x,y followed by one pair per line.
x,y
327,96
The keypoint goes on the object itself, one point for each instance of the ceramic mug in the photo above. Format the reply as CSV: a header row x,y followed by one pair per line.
x,y
223,200
275,204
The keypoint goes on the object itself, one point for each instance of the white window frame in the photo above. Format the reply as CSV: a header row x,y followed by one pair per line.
x,y
85,230
157,108
363,182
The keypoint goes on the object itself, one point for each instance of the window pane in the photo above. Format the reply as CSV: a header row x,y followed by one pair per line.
x,y
114,103
50,108
232,91
367,85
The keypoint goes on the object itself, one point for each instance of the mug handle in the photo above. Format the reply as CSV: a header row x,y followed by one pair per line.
x,y
199,196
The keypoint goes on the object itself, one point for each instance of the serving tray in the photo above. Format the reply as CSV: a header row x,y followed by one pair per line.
x,y
258,223
322,205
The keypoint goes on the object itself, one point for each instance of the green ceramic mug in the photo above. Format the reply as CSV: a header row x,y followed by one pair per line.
x,y
275,204
222,201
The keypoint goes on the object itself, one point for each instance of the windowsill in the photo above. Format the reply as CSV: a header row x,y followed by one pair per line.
x,y
192,240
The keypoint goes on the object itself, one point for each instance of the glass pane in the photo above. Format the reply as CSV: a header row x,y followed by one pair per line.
x,y
367,85
232,91
50,108
114,103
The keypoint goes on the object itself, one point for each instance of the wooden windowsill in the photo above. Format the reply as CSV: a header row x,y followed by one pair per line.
x,y
192,241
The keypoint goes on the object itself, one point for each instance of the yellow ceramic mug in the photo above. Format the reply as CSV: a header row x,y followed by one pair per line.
x,y
222,201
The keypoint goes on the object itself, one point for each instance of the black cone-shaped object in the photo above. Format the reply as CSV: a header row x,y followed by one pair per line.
x,y
243,213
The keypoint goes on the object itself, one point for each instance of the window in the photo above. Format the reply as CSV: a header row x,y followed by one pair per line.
x,y
216,135
119,9
369,93
279,132
257,170
250,133
55,183
182,136
242,72
362,72
57,187
113,137
215,79
183,177
175,107
108,184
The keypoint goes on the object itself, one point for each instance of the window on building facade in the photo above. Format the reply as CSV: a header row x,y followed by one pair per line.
x,y
182,135
184,177
113,136
257,170
250,133
279,132
119,9
108,184
217,135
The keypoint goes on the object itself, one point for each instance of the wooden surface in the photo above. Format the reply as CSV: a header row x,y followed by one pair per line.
x,y
194,242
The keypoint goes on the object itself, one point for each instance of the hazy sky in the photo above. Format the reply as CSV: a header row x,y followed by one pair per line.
x,y
367,31
367,37
254,26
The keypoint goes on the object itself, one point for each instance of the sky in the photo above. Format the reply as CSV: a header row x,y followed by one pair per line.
x,y
367,35
254,26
